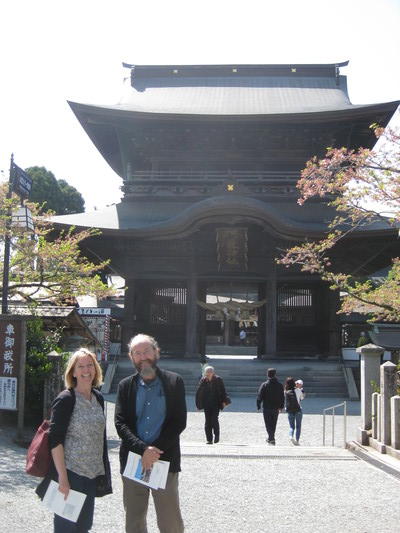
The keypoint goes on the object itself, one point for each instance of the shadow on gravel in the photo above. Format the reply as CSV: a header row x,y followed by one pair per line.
x,y
12,461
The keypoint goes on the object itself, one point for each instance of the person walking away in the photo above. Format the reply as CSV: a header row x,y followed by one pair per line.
x,y
78,441
271,397
150,415
293,410
212,397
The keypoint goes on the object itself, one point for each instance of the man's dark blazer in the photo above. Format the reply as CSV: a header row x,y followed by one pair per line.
x,y
174,423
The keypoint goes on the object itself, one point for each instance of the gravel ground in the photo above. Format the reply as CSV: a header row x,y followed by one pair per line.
x,y
241,484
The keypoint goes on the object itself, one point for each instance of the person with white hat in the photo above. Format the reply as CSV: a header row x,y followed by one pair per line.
x,y
300,391
300,395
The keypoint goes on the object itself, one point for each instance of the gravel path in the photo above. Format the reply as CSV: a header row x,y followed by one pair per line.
x,y
240,485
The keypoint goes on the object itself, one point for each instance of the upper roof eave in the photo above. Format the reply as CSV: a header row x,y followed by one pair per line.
x,y
118,111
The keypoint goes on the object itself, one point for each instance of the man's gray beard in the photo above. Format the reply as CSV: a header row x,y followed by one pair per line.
x,y
147,372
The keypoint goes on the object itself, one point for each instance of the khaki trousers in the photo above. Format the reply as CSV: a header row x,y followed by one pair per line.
x,y
166,503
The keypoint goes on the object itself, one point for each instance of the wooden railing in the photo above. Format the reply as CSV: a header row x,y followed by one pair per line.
x,y
214,175
270,183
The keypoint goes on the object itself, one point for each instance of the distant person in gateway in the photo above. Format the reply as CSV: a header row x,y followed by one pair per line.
x,y
212,397
271,397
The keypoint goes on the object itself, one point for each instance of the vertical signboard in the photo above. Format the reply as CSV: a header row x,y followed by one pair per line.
x,y
10,355
98,320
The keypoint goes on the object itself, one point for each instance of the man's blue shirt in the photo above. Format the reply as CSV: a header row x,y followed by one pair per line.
x,y
150,409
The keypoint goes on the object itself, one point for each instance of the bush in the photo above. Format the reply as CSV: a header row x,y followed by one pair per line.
x,y
38,367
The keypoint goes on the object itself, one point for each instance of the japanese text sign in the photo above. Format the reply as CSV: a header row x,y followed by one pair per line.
x,y
10,353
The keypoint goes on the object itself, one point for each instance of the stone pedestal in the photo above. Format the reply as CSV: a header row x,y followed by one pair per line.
x,y
388,390
395,415
369,370
375,411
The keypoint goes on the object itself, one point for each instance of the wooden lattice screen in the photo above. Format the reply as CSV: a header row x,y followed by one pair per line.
x,y
296,307
168,306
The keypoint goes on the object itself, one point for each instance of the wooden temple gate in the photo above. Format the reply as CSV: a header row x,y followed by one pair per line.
x,y
210,156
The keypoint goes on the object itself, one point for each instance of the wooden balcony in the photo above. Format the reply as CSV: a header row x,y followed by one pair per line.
x,y
206,183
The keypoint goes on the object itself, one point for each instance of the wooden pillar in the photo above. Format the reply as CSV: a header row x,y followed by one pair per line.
x,y
321,306
231,332
201,318
192,340
261,321
334,324
270,318
271,310
128,325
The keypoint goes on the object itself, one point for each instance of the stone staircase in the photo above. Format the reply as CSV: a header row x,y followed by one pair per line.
x,y
243,376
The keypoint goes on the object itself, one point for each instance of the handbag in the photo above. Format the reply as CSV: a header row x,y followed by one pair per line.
x,y
103,482
228,401
38,458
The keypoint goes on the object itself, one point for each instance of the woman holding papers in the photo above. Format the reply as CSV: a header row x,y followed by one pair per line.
x,y
78,442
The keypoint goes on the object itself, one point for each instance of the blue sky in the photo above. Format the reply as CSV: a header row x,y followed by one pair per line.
x,y
54,51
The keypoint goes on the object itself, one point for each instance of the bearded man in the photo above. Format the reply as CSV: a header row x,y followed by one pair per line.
x,y
150,414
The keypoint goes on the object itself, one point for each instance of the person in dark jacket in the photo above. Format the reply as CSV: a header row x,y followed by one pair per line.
x,y
212,397
150,414
271,397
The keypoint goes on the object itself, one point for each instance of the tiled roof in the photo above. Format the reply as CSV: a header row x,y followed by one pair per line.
x,y
66,317
226,90
251,90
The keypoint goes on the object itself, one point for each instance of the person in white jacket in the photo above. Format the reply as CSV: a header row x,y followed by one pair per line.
x,y
300,391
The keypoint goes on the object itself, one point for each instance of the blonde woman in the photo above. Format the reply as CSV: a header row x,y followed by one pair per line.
x,y
78,441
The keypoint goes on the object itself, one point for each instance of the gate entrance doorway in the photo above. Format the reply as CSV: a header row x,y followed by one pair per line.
x,y
232,314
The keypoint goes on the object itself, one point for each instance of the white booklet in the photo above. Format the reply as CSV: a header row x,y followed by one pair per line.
x,y
154,478
69,508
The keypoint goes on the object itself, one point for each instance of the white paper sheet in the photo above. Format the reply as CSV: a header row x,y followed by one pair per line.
x,y
69,508
154,478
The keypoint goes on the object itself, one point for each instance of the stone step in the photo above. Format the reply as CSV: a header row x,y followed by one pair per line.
x,y
243,377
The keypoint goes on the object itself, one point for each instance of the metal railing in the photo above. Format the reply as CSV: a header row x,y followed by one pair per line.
x,y
344,405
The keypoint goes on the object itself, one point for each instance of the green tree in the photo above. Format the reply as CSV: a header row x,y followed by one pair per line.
x,y
363,186
48,266
38,367
71,198
55,195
